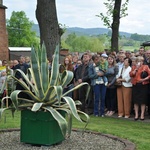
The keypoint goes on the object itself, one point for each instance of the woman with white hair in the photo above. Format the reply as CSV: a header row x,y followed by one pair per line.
x,y
140,74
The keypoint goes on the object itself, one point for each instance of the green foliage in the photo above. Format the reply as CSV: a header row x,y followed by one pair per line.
x,y
139,37
101,42
108,17
83,43
47,92
19,30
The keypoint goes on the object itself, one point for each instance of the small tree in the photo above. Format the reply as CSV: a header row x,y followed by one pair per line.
x,y
115,11
19,30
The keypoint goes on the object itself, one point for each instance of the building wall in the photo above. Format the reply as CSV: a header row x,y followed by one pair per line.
x,y
3,35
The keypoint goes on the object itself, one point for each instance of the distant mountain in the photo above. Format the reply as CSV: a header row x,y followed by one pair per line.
x,y
83,31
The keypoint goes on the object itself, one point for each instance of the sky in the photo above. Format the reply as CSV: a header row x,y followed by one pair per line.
x,y
82,13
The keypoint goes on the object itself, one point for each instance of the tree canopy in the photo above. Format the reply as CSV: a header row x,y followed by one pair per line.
x,y
19,30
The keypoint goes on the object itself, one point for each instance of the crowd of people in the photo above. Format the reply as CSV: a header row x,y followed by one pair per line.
x,y
119,81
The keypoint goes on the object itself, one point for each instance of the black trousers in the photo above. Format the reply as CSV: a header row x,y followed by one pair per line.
x,y
111,100
82,97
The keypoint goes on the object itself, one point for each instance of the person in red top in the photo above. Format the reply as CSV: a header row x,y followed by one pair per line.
x,y
140,83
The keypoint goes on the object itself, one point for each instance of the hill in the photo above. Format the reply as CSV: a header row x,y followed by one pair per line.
x,y
83,31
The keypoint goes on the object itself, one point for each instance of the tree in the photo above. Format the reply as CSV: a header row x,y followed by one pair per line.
x,y
82,43
49,28
19,30
115,11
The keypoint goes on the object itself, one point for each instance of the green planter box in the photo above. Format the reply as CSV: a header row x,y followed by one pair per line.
x,y
39,128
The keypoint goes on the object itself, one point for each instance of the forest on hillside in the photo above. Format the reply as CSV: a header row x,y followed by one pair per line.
x,y
96,39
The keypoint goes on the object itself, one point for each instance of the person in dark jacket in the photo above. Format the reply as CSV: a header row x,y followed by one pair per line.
x,y
22,66
82,76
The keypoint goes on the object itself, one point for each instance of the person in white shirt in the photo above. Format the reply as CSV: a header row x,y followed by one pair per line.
x,y
124,92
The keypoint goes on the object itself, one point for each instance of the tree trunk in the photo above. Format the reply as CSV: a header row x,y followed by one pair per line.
x,y
46,15
115,25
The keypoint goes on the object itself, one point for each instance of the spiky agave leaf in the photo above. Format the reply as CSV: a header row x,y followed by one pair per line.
x,y
77,87
69,117
72,107
55,68
36,106
2,111
66,78
44,69
15,97
28,83
59,118
36,73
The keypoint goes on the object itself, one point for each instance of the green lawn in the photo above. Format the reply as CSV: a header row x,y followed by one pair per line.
x,y
137,132
130,48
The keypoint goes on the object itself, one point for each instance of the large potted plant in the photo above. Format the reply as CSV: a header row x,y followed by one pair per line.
x,y
46,116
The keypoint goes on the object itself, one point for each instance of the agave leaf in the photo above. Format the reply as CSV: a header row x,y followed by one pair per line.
x,y
59,91
36,73
38,54
55,68
86,118
36,106
68,112
59,118
72,107
2,111
50,95
31,81
77,87
77,102
44,69
14,97
3,99
23,84
66,78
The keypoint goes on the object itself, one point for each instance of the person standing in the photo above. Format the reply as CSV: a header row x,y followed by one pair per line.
x,y
68,66
98,85
124,92
140,75
111,92
24,67
82,76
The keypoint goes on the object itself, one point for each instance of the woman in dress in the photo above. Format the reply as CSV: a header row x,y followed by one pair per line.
x,y
140,86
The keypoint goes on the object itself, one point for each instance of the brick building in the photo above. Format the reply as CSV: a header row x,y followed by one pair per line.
x,y
4,53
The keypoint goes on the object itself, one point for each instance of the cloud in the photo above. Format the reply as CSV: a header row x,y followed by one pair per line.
x,y
82,13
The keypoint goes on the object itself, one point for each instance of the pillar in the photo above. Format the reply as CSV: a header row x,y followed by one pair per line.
x,y
4,52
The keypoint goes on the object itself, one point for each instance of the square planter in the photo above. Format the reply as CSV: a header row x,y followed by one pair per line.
x,y
39,128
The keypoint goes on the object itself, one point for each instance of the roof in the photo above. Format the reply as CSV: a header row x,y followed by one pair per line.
x,y
16,49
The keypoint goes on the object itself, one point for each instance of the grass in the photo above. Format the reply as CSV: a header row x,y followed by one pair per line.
x,y
130,48
137,132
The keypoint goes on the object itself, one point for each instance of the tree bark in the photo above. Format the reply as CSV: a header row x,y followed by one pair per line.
x,y
115,25
46,15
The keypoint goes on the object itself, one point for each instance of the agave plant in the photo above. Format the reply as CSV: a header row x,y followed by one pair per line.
x,y
46,94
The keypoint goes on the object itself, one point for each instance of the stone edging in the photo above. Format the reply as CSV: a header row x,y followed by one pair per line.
x,y
128,145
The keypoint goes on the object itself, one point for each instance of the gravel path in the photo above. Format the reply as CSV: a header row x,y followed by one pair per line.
x,y
77,141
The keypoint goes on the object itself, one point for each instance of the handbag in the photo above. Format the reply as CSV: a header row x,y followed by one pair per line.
x,y
144,74
119,83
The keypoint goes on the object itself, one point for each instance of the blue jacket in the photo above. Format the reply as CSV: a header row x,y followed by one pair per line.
x,y
93,75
